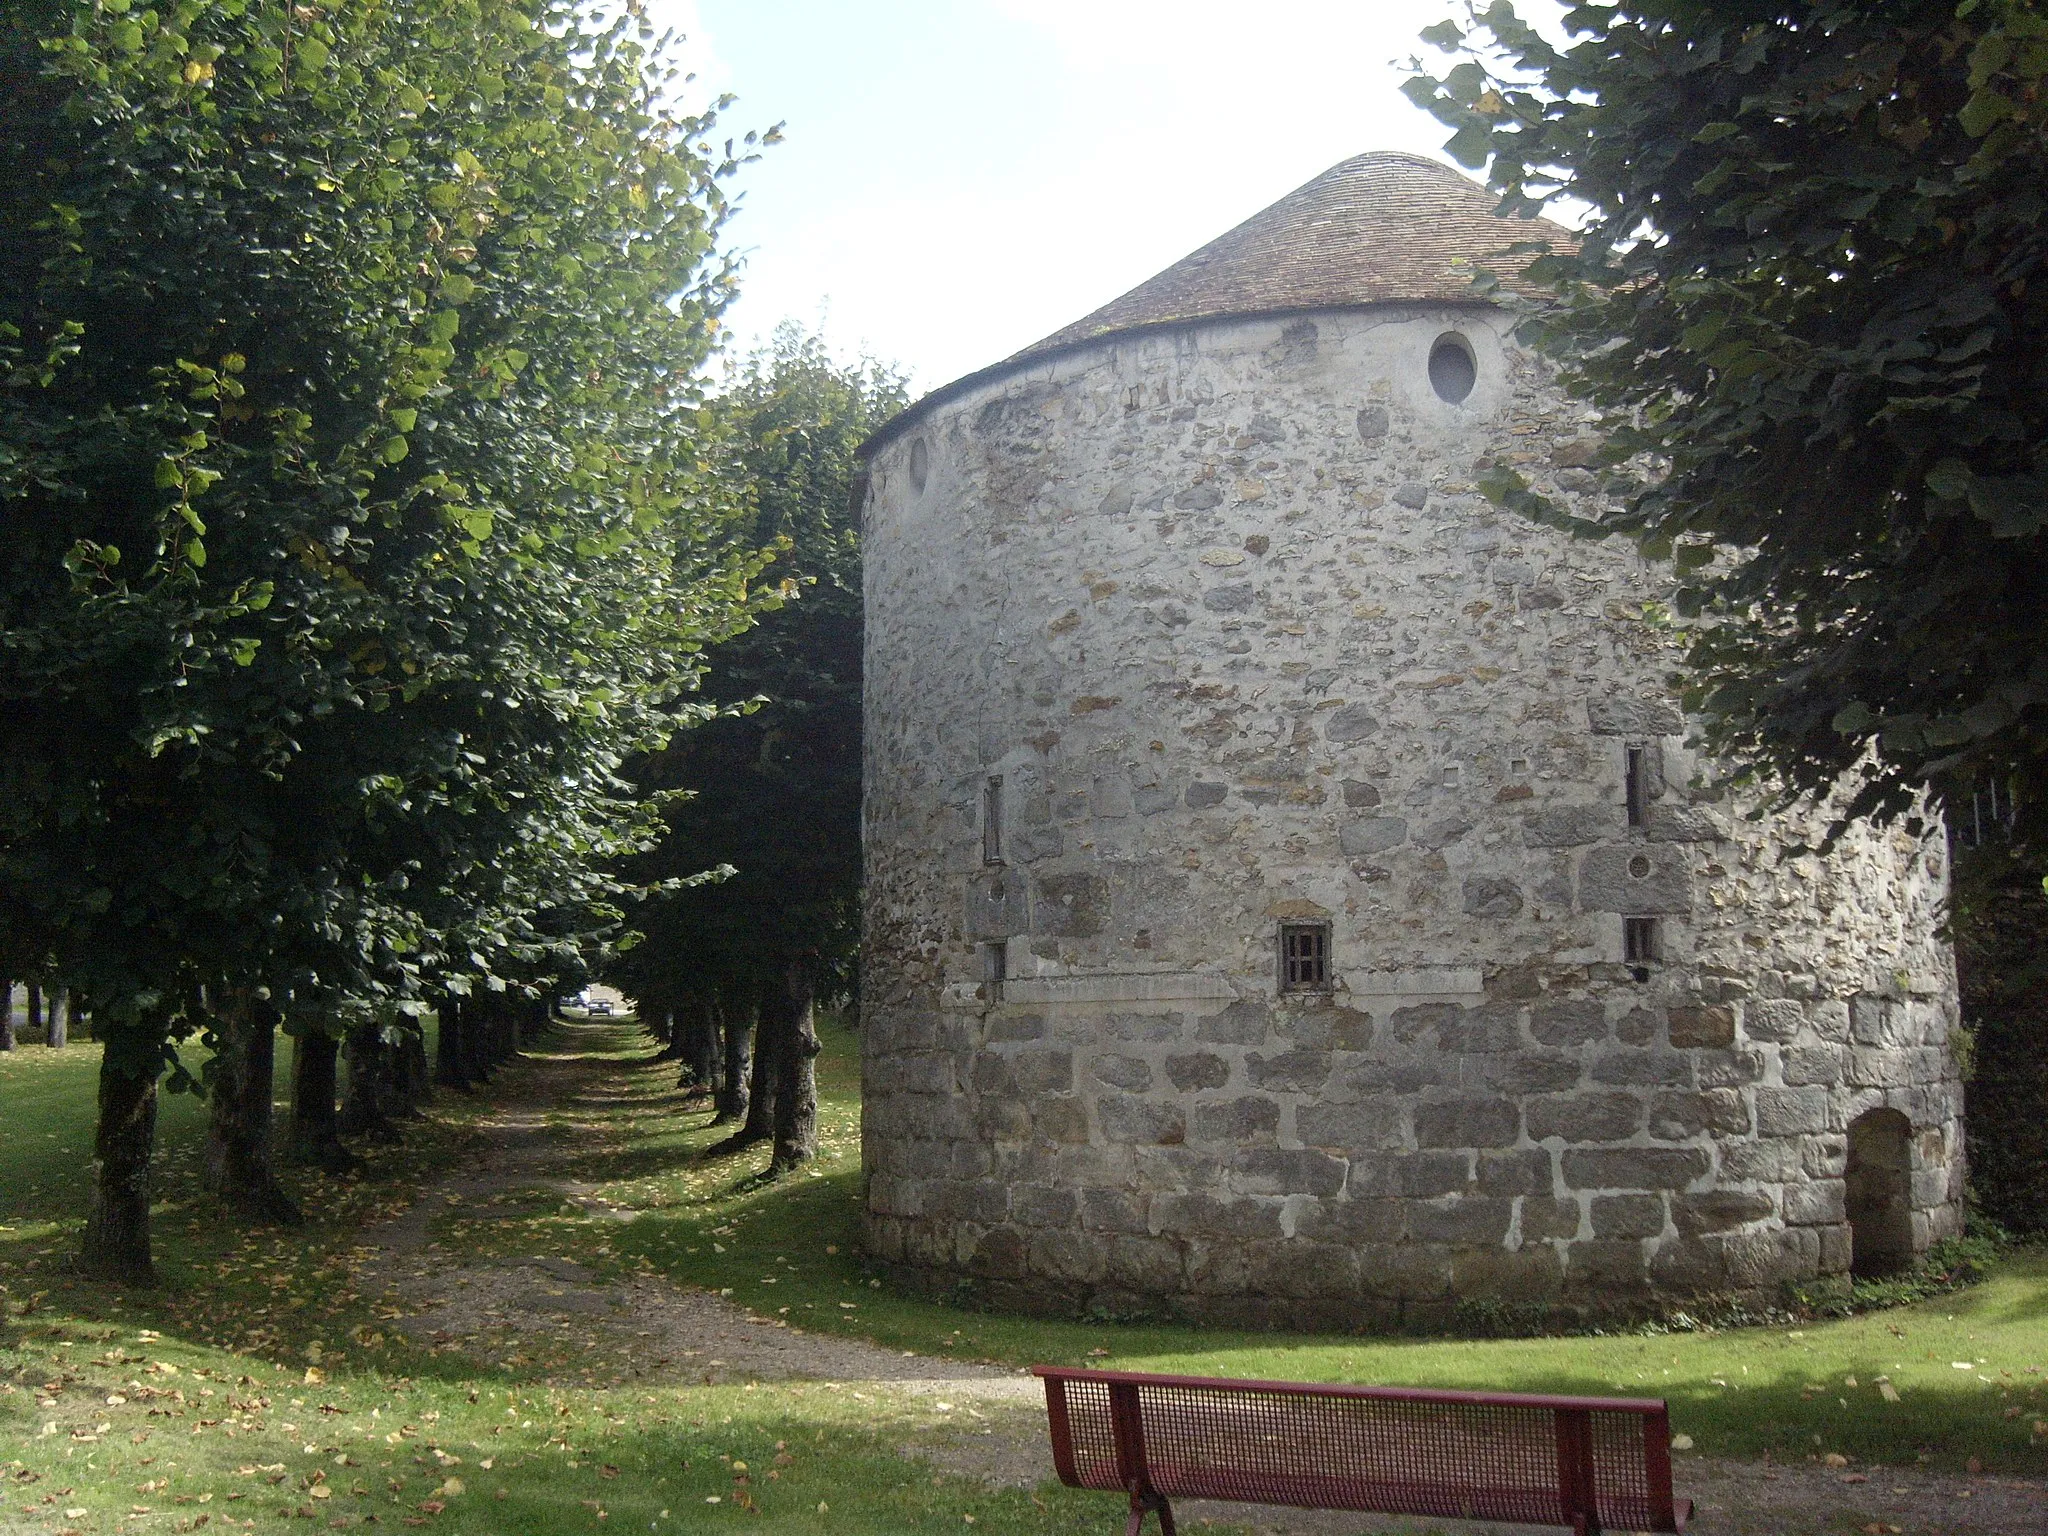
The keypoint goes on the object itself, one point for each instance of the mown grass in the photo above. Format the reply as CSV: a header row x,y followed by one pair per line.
x,y
257,1389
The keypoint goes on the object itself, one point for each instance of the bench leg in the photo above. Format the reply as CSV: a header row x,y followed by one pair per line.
x,y
1143,1504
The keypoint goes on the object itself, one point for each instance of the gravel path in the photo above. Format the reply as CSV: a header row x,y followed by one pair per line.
x,y
660,1333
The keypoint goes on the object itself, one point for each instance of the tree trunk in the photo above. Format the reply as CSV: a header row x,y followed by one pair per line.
x,y
116,1245
760,1121
316,1126
365,1091
796,1077
238,1169
732,1097
80,1019
58,1018
412,1077
474,1035
6,1015
33,1004
448,1067
699,1035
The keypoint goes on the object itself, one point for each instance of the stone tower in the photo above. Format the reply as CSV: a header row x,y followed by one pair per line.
x,y
1290,894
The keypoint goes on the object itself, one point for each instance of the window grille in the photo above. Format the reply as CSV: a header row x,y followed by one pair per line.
x,y
995,967
1304,957
1639,940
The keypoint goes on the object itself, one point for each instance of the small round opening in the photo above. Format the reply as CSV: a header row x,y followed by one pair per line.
x,y
920,465
1452,369
1639,867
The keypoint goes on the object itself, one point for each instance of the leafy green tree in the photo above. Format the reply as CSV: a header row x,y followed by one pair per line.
x,y
773,784
360,515
1807,295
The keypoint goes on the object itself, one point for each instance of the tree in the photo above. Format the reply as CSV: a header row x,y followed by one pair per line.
x,y
362,514
1807,297
773,784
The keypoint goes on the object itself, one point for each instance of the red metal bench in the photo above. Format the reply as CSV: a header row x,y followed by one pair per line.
x,y
1591,1463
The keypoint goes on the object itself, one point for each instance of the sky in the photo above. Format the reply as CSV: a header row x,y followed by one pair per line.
x,y
961,177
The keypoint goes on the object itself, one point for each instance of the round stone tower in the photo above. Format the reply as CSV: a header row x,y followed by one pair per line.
x,y
1290,893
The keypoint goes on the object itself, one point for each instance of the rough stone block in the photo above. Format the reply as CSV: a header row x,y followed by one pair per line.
x,y
1200,796
1133,1074
1151,799
1291,1072
1572,1022
1523,1172
1614,714
1371,834
1791,1111
1683,824
1460,1219
1529,1073
1034,1072
1806,1065
1114,1210
1582,1117
1835,1250
1640,1026
1729,1069
1247,1119
1073,906
1060,1119
1373,1123
1570,826
1248,1021
1775,1020
1125,1119
1619,1216
1274,1171
1212,1216
1405,1272
1489,1029
1229,597
1614,1266
1411,1024
1013,1028
1352,722
1634,1168
1719,1210
1491,896
1356,1222
1149,1265
1629,1067
1174,1168
1533,1273
1001,1118
1067,1256
1711,1028
1040,1205
1359,795
1821,1203
1638,879
1687,1265
1544,1218
1196,1070
1467,1123
998,904
1141,1028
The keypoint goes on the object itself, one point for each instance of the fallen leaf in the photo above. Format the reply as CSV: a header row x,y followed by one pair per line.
x,y
1681,1442
1834,1459
1974,1465
1888,1392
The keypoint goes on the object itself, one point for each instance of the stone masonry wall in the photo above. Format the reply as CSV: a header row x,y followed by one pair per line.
x,y
1220,607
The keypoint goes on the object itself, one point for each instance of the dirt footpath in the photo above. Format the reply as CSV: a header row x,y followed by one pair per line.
x,y
658,1333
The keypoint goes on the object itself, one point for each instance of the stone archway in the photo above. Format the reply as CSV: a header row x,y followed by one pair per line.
x,y
1880,1193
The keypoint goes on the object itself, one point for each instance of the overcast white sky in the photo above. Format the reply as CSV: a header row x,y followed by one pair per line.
x,y
961,177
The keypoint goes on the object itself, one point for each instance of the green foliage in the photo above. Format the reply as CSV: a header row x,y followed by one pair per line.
x,y
360,509
2001,937
774,784
1807,297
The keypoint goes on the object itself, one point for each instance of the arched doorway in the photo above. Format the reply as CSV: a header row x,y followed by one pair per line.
x,y
1880,1193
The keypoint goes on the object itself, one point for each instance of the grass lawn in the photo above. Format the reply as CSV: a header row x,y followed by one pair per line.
x,y
256,1387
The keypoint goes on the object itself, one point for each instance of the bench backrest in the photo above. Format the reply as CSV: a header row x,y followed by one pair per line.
x,y
1586,1461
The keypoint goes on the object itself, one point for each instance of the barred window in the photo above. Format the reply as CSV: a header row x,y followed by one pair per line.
x,y
1639,940
1304,957
1636,779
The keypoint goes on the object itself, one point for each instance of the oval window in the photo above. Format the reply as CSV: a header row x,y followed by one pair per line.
x,y
920,466
1452,368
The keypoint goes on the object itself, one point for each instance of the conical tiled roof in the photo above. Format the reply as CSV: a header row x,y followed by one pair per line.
x,y
1382,228
1376,229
